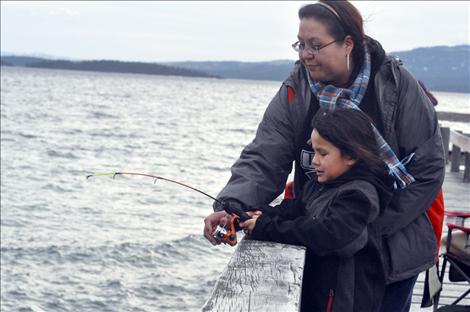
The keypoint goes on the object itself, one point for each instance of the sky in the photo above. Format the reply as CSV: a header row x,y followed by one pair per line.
x,y
166,31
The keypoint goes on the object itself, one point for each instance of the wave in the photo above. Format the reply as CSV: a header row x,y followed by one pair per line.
x,y
54,153
27,136
123,254
101,115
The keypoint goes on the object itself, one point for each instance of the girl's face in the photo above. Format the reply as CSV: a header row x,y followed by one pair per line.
x,y
328,160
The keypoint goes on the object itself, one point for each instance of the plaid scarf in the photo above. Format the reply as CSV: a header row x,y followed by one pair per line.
x,y
331,97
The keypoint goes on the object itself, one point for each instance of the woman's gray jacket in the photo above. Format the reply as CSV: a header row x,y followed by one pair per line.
x,y
409,124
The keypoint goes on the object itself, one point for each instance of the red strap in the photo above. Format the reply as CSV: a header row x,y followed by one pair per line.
x,y
289,190
290,95
436,216
330,301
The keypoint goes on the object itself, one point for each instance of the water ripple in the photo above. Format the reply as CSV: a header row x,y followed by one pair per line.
x,y
68,155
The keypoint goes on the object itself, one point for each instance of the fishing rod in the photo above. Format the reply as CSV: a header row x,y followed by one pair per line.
x,y
226,233
156,178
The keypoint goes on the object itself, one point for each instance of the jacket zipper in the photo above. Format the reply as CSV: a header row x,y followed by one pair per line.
x,y
330,301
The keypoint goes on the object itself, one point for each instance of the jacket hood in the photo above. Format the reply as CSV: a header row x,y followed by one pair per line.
x,y
383,183
377,54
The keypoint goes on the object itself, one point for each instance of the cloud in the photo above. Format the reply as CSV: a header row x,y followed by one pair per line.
x,y
63,11
249,31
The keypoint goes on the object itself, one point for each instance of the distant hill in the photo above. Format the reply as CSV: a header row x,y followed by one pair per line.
x,y
104,66
5,63
271,70
20,60
441,68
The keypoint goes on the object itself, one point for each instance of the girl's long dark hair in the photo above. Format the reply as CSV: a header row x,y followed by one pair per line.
x,y
350,130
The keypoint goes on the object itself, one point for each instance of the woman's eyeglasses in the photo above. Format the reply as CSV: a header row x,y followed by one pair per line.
x,y
314,49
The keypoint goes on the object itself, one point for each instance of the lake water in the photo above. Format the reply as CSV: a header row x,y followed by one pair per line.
x,y
123,244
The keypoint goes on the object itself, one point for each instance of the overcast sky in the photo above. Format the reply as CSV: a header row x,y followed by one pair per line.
x,y
178,31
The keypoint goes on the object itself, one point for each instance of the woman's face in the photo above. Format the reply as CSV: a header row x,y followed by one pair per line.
x,y
329,64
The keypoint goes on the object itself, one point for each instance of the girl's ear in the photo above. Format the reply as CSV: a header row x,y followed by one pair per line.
x,y
350,161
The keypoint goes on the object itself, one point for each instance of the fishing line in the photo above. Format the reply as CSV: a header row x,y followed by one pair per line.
x,y
226,233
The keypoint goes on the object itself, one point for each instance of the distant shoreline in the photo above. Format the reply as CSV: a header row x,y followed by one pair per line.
x,y
240,79
440,68
105,66
103,72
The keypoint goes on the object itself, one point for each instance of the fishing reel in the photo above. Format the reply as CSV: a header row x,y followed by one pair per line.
x,y
227,233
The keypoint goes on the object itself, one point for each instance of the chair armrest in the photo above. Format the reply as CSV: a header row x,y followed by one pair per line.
x,y
458,227
457,214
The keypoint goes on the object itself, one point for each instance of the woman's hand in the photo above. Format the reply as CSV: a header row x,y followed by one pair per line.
x,y
211,222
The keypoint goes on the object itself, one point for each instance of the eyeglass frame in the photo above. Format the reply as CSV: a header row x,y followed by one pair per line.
x,y
315,49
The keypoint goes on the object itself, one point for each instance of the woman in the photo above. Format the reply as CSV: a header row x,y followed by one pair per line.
x,y
338,63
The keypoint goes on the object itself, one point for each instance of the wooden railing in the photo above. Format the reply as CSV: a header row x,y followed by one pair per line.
x,y
460,149
261,276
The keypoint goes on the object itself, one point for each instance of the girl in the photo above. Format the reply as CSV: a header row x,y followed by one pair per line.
x,y
335,220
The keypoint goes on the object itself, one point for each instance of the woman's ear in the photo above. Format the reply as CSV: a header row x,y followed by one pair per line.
x,y
349,44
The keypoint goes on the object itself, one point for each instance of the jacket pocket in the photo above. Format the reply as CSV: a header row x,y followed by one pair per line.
x,y
411,250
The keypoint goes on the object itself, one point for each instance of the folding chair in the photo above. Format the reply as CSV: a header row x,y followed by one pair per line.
x,y
457,253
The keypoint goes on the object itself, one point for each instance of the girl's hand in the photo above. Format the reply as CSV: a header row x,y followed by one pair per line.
x,y
254,214
249,225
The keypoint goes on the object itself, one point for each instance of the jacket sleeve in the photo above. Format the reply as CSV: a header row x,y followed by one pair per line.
x,y
287,209
341,231
417,132
260,174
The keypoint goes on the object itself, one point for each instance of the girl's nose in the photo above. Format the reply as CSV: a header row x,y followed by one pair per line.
x,y
315,162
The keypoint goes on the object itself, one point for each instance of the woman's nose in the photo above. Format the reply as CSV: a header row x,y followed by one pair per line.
x,y
304,54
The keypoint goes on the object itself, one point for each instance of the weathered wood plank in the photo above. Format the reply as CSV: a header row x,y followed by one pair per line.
x,y
460,143
466,173
461,140
455,158
445,133
451,116
261,276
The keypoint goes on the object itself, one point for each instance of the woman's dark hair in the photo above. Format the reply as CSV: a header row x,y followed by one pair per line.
x,y
346,21
350,130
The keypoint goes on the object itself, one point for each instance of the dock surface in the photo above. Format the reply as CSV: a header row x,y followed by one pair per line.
x,y
456,198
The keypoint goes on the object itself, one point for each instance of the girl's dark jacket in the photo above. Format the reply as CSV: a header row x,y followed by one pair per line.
x,y
337,223
408,122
